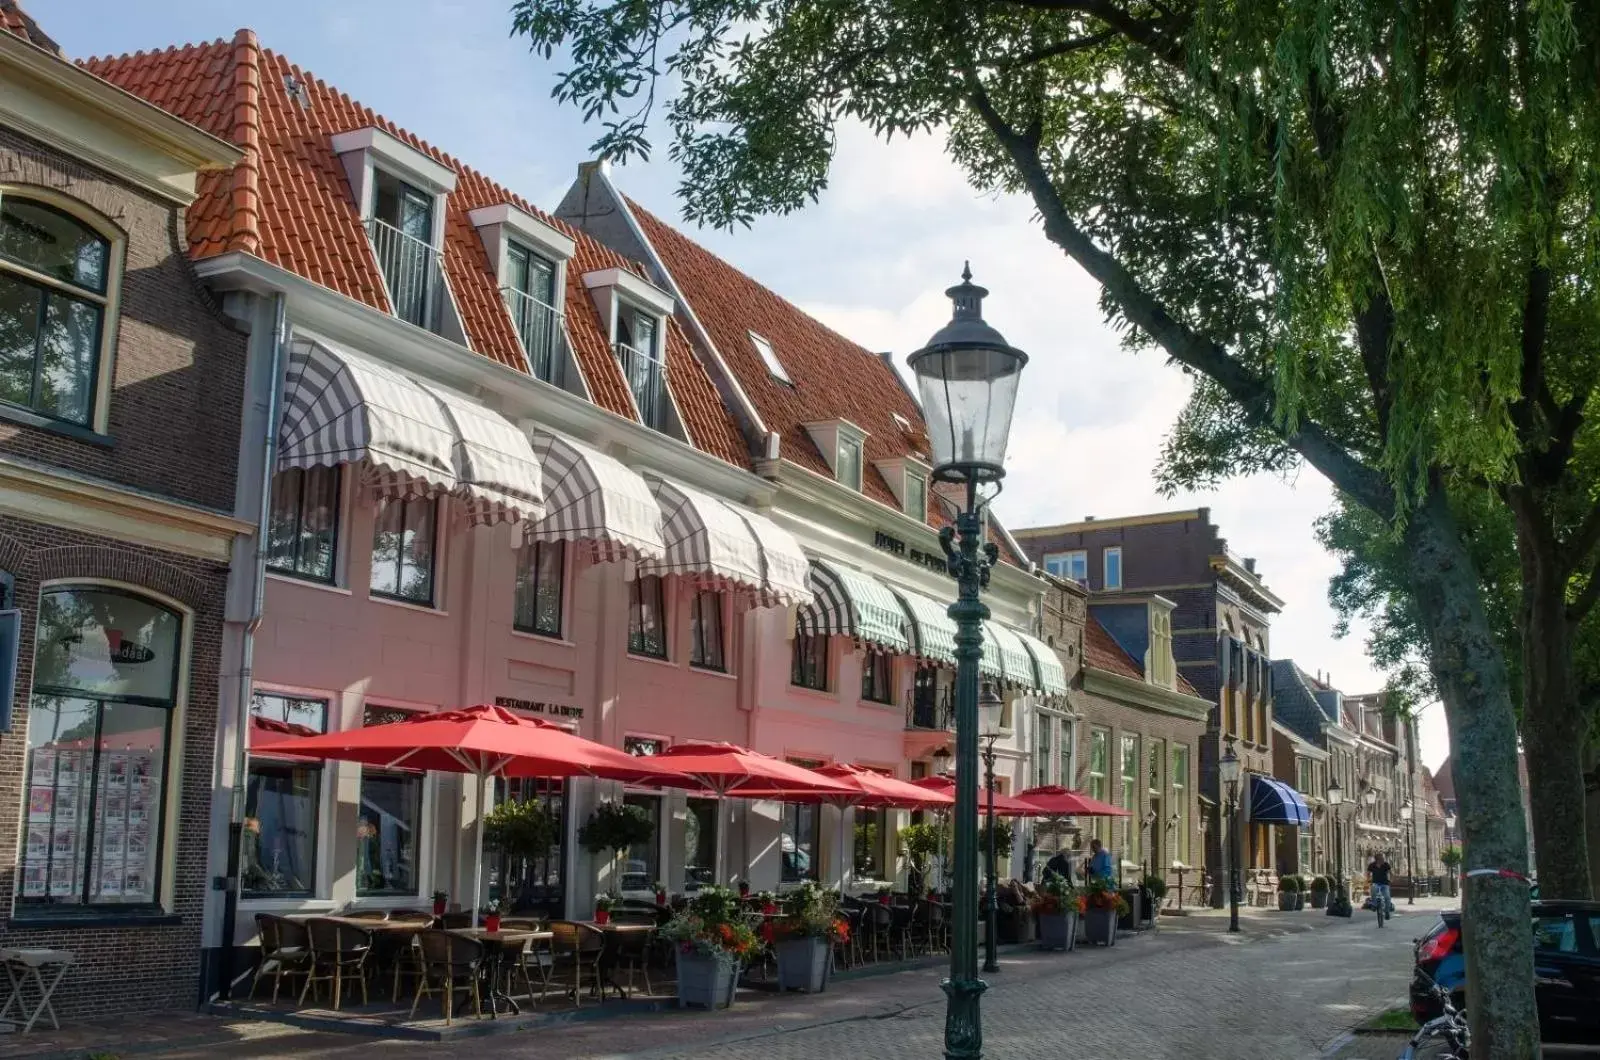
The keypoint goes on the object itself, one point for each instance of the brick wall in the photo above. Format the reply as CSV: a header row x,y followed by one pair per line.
x,y
1154,554
121,968
178,366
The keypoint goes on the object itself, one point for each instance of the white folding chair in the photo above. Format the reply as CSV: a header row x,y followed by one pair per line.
x,y
32,965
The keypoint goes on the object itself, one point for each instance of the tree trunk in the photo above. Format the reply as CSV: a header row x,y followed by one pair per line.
x,y
1469,670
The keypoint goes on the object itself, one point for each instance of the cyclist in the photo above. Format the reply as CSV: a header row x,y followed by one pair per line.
x,y
1378,875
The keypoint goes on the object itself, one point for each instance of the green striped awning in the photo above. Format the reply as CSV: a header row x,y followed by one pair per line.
x,y
1014,658
932,628
1052,675
992,665
852,604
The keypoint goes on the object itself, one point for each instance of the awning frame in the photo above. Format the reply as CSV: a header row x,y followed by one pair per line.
x,y
1272,801
847,602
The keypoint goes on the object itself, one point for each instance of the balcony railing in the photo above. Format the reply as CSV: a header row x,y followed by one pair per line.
x,y
931,710
647,378
541,329
412,271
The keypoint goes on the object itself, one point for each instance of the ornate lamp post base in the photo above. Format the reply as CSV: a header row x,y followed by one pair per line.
x,y
963,1027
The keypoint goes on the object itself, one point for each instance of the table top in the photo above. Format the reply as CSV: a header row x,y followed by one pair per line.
x,y
620,929
507,935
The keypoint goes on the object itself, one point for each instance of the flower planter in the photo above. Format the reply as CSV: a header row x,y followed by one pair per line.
x,y
1299,900
1100,927
1285,901
1319,899
1130,920
803,964
1340,907
1058,931
706,981
602,916
491,922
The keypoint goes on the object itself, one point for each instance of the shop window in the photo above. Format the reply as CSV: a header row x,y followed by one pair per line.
x,y
872,826
799,842
302,536
809,668
641,867
99,736
538,598
700,844
647,621
388,823
1099,760
278,848
1130,795
1180,801
705,629
534,882
877,677
403,544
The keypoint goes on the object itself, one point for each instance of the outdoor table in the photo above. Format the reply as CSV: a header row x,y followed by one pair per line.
x,y
30,962
614,933
495,944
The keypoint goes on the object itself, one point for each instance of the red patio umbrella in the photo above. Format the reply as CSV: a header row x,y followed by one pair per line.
x,y
728,769
484,741
1004,805
1057,801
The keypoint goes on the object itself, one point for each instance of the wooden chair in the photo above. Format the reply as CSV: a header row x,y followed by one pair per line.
x,y
576,949
632,950
285,950
453,962
338,950
397,951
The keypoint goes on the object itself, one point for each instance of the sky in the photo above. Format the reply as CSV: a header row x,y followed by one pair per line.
x,y
871,259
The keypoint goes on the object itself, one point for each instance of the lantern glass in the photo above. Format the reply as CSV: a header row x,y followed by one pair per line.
x,y
1230,767
1371,795
942,761
1335,794
1405,811
991,709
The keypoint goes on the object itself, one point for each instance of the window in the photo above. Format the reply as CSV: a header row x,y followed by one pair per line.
x,y
810,666
402,549
1064,748
531,297
1073,566
1160,668
871,828
916,496
388,824
799,842
1130,795
99,732
1099,769
848,469
769,357
1304,782
700,844
1180,801
642,865
929,708
278,849
1305,852
1044,730
54,277
705,631
302,537
1113,568
538,880
402,239
877,677
538,596
647,621
637,350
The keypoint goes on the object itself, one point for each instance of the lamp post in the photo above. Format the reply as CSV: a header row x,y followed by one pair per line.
x,y
1229,769
1409,817
1335,798
991,707
967,377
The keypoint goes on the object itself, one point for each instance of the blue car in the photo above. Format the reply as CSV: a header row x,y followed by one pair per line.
x,y
1566,953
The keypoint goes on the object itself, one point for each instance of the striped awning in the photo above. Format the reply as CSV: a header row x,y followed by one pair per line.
x,y
784,564
1052,675
497,473
991,664
706,540
592,498
852,604
342,408
933,630
1014,657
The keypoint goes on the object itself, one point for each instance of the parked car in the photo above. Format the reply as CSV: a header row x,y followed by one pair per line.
x,y
1566,954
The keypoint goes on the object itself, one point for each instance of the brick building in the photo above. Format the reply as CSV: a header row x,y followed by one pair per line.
x,y
120,411
1219,625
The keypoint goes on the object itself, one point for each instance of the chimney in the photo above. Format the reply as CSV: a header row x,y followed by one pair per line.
x,y
1088,518
1250,564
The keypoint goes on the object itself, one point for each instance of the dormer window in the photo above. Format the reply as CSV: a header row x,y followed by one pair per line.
x,y
908,481
1113,568
842,445
1159,667
530,259
637,311
1073,566
847,468
916,502
769,357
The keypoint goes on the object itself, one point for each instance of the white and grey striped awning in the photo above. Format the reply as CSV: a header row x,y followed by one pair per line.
x,y
497,473
1052,675
852,604
718,544
785,567
933,630
592,498
1014,657
991,664
342,408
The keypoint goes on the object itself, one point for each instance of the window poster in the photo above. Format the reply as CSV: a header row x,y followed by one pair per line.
x,y
123,842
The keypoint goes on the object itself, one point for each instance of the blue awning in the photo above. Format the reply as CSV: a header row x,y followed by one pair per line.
x,y
1274,802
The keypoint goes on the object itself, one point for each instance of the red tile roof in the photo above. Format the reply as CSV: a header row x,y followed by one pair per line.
x,y
15,20
290,203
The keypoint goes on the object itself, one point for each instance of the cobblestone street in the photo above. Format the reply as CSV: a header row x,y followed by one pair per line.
x,y
1286,989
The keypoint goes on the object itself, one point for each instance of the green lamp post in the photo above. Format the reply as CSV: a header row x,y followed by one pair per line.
x,y
967,377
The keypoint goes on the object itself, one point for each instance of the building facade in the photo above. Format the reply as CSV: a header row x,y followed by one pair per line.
x,y
120,413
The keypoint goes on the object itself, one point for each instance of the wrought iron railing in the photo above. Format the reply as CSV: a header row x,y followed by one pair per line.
x,y
412,271
647,378
541,329
931,710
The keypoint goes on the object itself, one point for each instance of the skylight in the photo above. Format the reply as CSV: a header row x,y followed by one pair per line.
x,y
769,357
905,424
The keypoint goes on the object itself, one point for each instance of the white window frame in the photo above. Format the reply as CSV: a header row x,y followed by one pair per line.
x,y
1061,564
848,441
919,513
1105,567
427,816
769,357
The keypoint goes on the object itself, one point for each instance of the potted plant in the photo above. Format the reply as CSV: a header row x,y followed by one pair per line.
x,y
661,893
1055,909
884,894
1155,889
1339,900
711,941
744,888
1450,858
603,904
520,833
921,844
1300,892
1102,908
491,917
767,901
1319,892
803,940
614,827
441,903
1288,887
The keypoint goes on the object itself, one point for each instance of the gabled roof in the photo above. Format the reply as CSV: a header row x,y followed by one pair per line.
x,y
1293,702
1102,652
290,203
15,20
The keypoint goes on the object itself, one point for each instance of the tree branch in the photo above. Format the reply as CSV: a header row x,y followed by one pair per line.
x,y
1252,393
1580,608
1148,33
1585,541
1374,333
1050,51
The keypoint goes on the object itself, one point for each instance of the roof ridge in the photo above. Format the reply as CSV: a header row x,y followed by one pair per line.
x,y
244,198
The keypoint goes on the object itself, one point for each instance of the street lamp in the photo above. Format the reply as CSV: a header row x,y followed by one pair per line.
x,y
991,706
967,376
943,763
1408,815
1335,798
1229,770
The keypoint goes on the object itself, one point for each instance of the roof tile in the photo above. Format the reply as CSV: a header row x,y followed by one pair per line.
x,y
15,20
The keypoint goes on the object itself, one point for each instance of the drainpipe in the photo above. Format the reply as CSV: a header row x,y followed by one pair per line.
x,y
269,461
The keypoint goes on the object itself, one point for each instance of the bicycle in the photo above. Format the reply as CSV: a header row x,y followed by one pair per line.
x,y
1447,1037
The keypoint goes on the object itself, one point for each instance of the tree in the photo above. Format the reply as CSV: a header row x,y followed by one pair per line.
x,y
1362,226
